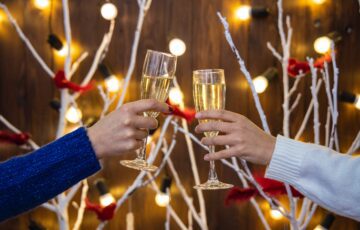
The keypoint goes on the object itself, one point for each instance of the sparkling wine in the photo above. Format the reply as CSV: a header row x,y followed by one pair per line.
x,y
209,96
155,87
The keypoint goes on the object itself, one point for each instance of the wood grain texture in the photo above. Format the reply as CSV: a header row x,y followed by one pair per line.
x,y
25,90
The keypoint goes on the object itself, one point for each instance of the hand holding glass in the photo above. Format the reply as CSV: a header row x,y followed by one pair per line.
x,y
158,73
209,94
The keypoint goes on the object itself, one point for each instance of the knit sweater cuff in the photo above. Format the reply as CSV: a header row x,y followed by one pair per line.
x,y
286,160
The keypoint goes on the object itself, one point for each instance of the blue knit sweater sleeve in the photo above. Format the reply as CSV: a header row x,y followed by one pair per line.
x,y
30,180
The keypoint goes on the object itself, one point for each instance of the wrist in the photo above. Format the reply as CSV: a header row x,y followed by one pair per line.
x,y
95,143
270,148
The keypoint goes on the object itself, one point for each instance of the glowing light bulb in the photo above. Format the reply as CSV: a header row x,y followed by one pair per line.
x,y
176,96
319,2
149,139
357,102
42,4
319,227
73,115
260,83
322,44
276,214
63,51
162,199
106,199
243,12
177,47
112,84
108,11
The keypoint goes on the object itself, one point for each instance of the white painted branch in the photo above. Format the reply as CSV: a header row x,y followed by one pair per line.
x,y
296,102
81,210
10,126
355,144
245,72
316,102
273,51
107,99
295,85
67,29
167,221
192,136
143,7
308,113
77,63
27,41
327,126
186,197
99,53
309,216
49,206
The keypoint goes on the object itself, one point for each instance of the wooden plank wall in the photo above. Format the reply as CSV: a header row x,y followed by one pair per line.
x,y
25,89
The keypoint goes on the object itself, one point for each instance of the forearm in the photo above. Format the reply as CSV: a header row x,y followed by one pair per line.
x,y
33,179
330,179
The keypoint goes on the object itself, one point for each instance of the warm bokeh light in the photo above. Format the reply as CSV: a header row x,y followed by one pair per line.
x,y
106,199
113,84
177,47
73,115
319,227
243,12
322,45
318,1
260,83
276,214
176,96
42,4
162,199
108,11
63,51
357,102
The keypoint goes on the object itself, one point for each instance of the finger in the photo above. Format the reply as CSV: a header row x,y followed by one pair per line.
x,y
140,122
226,153
224,127
140,134
218,140
133,144
146,105
218,115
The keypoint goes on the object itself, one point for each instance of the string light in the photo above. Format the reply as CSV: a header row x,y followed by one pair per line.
x,y
42,4
112,83
162,198
244,12
108,11
106,198
276,214
326,223
322,44
176,96
73,115
261,82
177,47
350,98
60,47
319,2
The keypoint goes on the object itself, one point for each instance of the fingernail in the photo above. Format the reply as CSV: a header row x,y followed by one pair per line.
x,y
197,115
206,157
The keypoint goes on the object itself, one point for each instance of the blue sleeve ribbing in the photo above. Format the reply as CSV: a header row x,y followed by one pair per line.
x,y
32,179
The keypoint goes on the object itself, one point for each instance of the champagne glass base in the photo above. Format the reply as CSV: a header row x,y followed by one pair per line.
x,y
139,165
213,185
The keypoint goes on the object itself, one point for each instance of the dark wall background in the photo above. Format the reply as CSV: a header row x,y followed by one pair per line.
x,y
25,90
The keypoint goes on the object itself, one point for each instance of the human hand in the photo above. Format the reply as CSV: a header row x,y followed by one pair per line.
x,y
124,129
244,138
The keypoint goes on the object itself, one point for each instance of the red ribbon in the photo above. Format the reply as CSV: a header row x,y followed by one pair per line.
x,y
102,213
188,113
15,138
296,67
271,187
62,83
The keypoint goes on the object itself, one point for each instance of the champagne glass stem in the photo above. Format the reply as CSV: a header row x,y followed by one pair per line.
x,y
212,171
141,154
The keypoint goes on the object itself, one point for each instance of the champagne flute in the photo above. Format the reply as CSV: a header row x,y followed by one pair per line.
x,y
157,75
209,94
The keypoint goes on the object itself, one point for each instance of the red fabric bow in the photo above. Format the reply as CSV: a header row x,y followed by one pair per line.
x,y
62,83
270,187
296,67
188,113
15,138
102,213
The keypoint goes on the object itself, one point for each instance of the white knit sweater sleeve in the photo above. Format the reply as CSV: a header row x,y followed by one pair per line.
x,y
326,177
